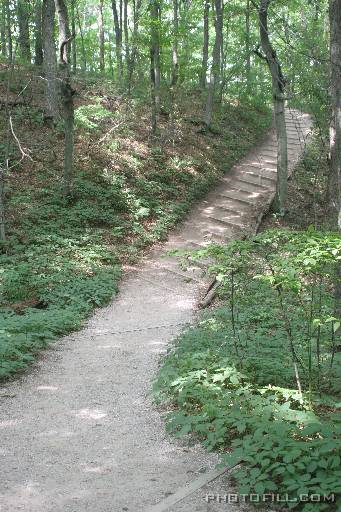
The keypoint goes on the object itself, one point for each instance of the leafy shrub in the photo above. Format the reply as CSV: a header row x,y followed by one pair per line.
x,y
232,378
89,116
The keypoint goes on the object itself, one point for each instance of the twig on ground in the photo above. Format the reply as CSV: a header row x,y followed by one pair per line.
x,y
109,132
23,153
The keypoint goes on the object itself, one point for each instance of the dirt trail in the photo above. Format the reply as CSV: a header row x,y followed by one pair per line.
x,y
78,431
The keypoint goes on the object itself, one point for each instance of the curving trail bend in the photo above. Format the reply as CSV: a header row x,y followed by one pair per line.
x,y
78,431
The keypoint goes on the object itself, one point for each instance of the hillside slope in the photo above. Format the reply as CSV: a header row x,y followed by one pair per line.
x,y
62,258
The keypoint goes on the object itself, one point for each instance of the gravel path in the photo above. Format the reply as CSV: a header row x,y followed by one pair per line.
x,y
78,431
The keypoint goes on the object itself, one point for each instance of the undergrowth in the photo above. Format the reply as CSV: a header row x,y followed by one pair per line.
x,y
62,258
259,377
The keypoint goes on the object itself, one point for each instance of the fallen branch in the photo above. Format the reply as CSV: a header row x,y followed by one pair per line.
x,y
210,294
23,153
109,132
189,489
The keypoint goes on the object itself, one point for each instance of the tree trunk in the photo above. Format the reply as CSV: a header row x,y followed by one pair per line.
x,y
3,30
248,47
23,13
118,39
224,47
184,7
101,36
111,66
9,30
215,68
82,40
126,36
2,203
73,35
64,32
334,185
66,94
38,40
133,53
155,62
50,63
175,58
278,93
203,74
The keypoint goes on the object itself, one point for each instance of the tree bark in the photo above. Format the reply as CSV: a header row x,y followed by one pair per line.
x,y
64,32
111,65
38,40
81,33
66,93
50,63
248,47
118,39
3,30
184,7
215,68
101,36
155,61
175,58
203,74
278,93
133,53
224,47
73,35
126,35
2,203
334,184
23,14
9,30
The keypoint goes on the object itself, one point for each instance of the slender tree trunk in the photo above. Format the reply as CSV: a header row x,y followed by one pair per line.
x,y
248,47
9,30
223,62
101,36
23,13
111,66
81,33
126,36
50,63
155,61
215,68
175,58
2,203
278,93
118,39
66,93
334,185
133,53
38,40
121,32
203,74
64,32
73,35
3,30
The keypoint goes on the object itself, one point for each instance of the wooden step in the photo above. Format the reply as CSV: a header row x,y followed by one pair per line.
x,y
259,178
248,186
233,219
235,197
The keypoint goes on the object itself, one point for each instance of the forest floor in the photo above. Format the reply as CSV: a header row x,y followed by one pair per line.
x,y
63,258
87,436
